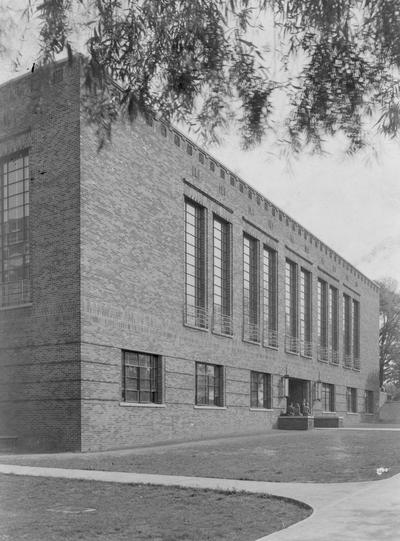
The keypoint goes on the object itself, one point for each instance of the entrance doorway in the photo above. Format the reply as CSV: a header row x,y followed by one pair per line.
x,y
299,389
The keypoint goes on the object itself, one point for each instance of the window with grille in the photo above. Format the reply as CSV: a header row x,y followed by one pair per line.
x,y
322,320
14,231
196,312
142,378
209,385
347,328
260,390
222,281
291,307
333,325
305,313
328,397
351,396
251,324
356,334
270,297
369,402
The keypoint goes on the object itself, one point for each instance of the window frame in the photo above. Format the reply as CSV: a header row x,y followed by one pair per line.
x,y
196,266
347,331
351,400
333,324
323,319
155,379
291,307
270,297
222,312
266,380
251,299
369,402
14,201
305,312
218,400
356,333
328,398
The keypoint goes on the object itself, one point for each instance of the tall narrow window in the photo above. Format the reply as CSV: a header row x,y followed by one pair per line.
x,y
270,297
291,308
222,292
351,396
347,327
196,312
356,334
251,323
328,397
305,313
209,385
260,390
142,378
322,320
333,325
14,231
369,401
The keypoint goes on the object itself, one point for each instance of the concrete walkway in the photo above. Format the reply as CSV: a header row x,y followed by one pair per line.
x,y
360,511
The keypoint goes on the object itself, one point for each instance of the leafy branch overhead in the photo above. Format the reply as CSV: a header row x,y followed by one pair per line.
x,y
301,70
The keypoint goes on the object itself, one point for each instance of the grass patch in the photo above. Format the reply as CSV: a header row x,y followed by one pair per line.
x,y
296,456
38,509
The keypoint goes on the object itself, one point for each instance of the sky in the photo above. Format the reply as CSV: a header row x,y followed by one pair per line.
x,y
351,203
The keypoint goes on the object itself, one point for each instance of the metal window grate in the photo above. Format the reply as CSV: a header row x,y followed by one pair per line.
x,y
251,303
196,310
292,344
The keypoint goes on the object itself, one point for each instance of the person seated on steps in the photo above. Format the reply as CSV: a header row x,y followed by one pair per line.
x,y
297,409
290,410
305,408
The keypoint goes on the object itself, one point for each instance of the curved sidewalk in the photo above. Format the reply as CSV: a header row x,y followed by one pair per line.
x,y
360,511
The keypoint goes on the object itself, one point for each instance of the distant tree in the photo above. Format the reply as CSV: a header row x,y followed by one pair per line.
x,y
332,65
389,333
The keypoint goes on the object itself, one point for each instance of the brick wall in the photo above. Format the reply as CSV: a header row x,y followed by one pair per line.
x,y
108,274
133,292
40,343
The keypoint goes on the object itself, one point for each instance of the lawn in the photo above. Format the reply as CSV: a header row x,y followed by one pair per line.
x,y
41,509
309,456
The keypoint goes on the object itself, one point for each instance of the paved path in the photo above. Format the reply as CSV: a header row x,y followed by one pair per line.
x,y
362,511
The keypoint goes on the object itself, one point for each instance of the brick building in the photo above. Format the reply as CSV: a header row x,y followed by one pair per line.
x,y
149,294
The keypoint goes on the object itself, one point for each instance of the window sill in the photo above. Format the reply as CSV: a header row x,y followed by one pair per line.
x,y
292,352
275,348
222,334
14,306
352,412
305,356
203,329
261,409
325,361
347,367
251,342
330,412
140,405
196,407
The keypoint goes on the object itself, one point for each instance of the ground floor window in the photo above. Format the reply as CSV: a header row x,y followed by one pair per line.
x,y
209,385
142,377
260,390
351,395
328,397
369,401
